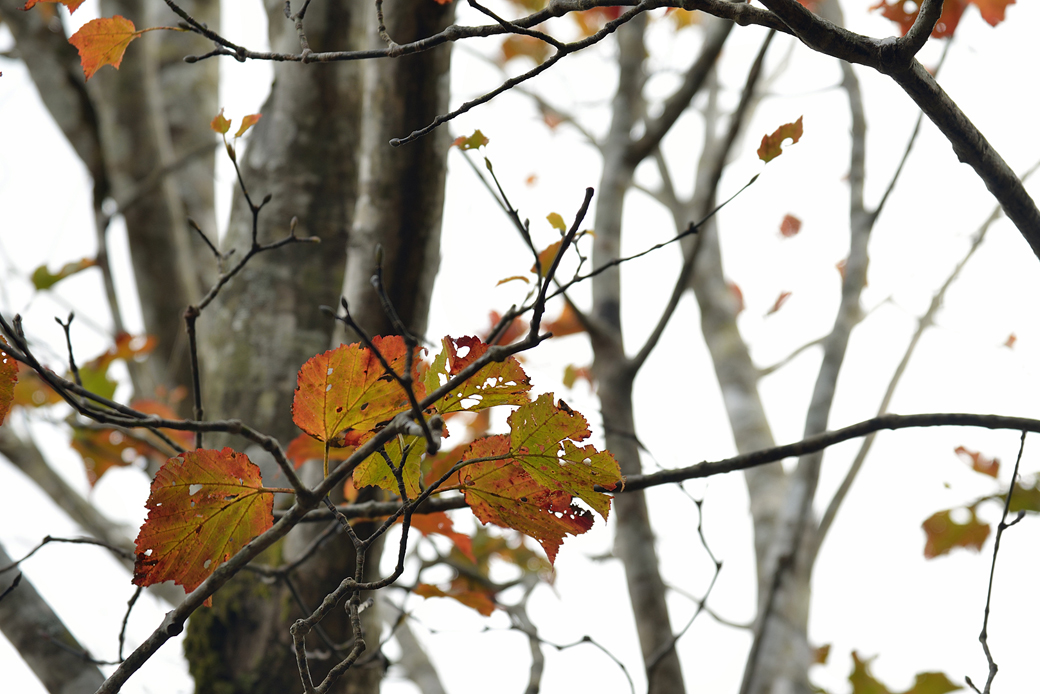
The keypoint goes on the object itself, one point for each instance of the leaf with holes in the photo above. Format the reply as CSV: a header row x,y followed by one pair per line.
x,y
502,492
944,534
102,42
542,439
204,506
770,147
474,141
344,395
497,383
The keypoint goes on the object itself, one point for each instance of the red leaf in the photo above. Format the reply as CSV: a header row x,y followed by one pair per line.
x,y
344,395
780,301
515,329
102,42
8,379
204,506
790,226
979,463
944,534
73,5
770,147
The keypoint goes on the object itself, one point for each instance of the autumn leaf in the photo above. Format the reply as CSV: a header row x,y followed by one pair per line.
x,y
32,391
546,258
440,524
541,470
592,20
479,600
864,682
497,383
572,373
204,506
103,449
8,379
220,124
474,141
738,296
770,147
979,463
820,654
344,395
780,301
517,45
304,448
73,5
790,226
512,279
556,221
567,323
542,439
943,533
42,278
247,123
1010,341
375,472
102,42
515,329
1026,496
503,493
905,13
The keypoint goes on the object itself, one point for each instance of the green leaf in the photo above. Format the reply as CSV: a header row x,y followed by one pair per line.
x,y
42,278
944,534
770,147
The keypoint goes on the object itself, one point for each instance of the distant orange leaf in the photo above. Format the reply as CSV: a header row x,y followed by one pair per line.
x,y
567,323
474,141
979,463
102,42
440,524
73,5
304,448
8,379
770,148
204,506
220,124
905,13
517,45
1010,341
247,123
944,534
546,258
479,600
780,301
790,226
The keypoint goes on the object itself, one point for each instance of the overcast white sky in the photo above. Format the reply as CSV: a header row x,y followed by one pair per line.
x,y
873,591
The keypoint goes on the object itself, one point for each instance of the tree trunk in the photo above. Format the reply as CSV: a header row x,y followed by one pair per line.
x,y
321,151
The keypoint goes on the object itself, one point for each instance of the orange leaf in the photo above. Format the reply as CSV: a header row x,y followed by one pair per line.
x,y
344,395
943,533
780,301
102,42
73,5
992,11
439,523
1010,341
770,147
517,45
247,123
979,463
220,124
32,391
204,506
566,324
514,330
304,448
790,226
738,296
479,600
8,379
546,258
